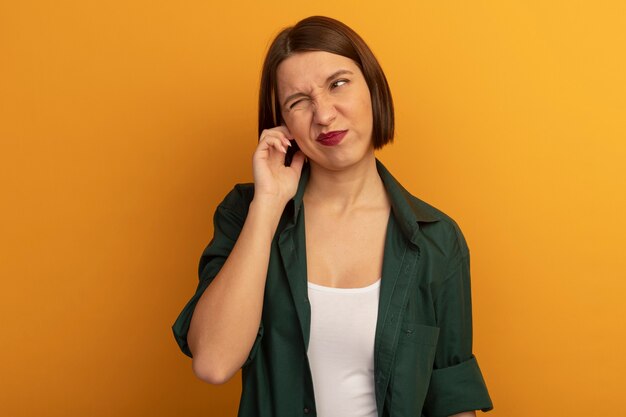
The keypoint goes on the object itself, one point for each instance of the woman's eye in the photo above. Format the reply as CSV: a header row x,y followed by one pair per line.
x,y
339,83
295,103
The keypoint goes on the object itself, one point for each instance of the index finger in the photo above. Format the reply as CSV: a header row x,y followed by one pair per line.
x,y
283,128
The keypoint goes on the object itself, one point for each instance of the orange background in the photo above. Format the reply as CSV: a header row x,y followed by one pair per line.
x,y
124,123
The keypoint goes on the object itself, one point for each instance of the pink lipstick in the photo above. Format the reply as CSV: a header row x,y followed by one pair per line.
x,y
331,138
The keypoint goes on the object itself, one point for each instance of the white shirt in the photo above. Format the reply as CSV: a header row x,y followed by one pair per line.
x,y
341,349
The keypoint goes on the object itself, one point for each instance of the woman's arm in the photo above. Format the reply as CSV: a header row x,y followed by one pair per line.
x,y
456,382
465,414
226,318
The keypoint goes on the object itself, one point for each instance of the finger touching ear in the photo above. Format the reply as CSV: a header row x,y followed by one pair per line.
x,y
285,129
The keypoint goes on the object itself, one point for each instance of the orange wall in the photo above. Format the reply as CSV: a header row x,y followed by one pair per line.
x,y
122,125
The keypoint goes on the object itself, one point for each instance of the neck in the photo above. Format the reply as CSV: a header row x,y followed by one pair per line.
x,y
354,186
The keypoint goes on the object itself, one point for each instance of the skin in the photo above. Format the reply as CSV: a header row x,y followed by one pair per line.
x,y
313,103
346,206
345,201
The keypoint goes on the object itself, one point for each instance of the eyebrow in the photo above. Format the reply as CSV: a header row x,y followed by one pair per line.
x,y
330,77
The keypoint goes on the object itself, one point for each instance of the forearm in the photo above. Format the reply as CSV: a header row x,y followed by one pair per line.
x,y
227,316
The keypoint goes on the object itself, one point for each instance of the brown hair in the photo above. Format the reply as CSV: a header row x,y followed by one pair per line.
x,y
319,33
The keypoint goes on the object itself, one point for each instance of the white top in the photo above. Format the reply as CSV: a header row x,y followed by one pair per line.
x,y
341,349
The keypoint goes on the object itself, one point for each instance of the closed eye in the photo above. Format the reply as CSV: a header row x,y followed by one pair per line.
x,y
295,103
337,83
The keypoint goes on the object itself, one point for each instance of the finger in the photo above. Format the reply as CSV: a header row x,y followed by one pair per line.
x,y
278,131
286,142
273,138
282,138
285,131
276,144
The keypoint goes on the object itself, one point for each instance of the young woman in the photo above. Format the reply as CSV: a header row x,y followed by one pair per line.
x,y
335,290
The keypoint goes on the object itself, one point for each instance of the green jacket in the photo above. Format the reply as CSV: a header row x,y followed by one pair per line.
x,y
423,361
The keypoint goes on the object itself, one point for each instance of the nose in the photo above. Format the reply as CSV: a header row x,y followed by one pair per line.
x,y
324,111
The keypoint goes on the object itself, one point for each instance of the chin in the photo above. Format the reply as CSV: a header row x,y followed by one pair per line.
x,y
340,161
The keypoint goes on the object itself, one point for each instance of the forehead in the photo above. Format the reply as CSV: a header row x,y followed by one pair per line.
x,y
305,70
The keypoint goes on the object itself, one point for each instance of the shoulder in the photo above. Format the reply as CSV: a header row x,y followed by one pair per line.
x,y
239,198
232,211
437,226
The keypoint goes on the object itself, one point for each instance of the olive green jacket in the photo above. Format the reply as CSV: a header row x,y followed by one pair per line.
x,y
423,361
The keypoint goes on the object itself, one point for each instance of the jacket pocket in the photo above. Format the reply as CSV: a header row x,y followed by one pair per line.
x,y
419,334
412,370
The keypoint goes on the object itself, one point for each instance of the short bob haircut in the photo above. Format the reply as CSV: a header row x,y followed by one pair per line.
x,y
319,33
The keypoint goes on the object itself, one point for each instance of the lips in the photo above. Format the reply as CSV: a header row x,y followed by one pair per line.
x,y
331,138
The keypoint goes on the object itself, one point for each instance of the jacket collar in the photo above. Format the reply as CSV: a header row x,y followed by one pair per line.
x,y
408,210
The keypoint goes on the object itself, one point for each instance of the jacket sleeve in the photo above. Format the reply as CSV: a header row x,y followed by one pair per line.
x,y
457,383
227,224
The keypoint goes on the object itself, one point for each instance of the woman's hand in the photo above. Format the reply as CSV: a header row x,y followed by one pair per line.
x,y
273,181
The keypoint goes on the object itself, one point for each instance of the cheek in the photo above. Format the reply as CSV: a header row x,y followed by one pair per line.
x,y
366,113
363,102
298,124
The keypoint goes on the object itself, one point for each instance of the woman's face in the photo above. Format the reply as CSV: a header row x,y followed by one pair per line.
x,y
327,107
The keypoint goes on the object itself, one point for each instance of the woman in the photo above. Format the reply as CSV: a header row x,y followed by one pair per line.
x,y
363,309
